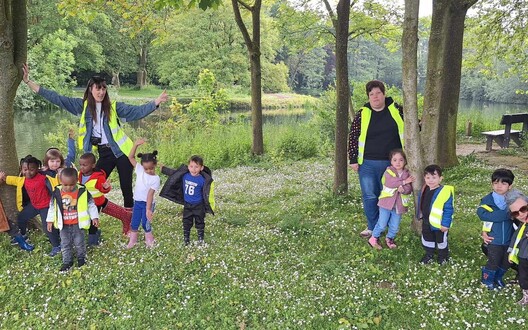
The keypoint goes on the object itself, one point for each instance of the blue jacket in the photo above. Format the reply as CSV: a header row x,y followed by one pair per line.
x,y
447,216
502,229
125,112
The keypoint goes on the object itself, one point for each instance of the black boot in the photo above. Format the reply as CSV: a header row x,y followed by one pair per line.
x,y
65,267
186,237
81,262
200,236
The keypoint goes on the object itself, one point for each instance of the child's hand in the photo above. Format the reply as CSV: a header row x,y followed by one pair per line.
x,y
150,215
400,189
107,185
50,226
95,222
2,175
487,239
444,229
409,180
71,133
140,141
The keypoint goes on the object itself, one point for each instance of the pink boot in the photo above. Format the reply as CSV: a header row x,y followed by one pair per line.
x,y
133,235
149,239
374,242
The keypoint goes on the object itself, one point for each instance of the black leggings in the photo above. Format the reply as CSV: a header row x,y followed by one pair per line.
x,y
108,161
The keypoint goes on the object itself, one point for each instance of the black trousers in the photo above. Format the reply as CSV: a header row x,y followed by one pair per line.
x,y
485,250
193,213
433,240
107,162
497,257
523,273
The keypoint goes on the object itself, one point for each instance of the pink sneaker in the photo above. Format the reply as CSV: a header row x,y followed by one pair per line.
x,y
374,242
390,243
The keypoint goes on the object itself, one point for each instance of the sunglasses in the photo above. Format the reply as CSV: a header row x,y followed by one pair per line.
x,y
515,214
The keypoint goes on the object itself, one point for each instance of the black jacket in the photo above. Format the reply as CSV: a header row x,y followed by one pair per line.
x,y
173,187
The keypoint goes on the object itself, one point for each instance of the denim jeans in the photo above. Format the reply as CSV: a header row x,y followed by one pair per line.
x,y
72,236
389,217
370,174
29,212
139,216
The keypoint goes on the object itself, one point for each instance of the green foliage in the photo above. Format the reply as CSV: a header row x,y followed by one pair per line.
x,y
274,77
296,145
54,55
325,117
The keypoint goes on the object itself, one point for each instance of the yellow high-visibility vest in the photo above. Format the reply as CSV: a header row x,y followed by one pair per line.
x,y
513,256
366,114
387,192
435,218
122,140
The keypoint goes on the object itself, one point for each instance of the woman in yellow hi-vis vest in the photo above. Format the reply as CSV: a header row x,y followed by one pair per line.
x,y
376,130
100,126
518,205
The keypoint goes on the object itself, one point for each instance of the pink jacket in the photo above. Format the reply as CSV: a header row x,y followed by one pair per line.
x,y
395,201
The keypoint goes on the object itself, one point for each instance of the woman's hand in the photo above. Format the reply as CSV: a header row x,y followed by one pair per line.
x,y
162,98
487,239
355,166
25,76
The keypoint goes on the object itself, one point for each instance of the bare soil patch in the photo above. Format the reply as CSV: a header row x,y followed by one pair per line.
x,y
494,157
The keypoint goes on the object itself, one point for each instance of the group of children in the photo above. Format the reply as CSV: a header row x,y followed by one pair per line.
x,y
501,211
69,202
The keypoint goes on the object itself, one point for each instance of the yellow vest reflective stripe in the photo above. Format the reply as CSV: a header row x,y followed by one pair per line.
x,y
389,192
122,140
90,186
486,225
82,210
513,256
437,210
366,114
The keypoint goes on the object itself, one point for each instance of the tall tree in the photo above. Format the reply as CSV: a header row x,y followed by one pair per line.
x,y
442,88
341,25
410,91
253,47
13,53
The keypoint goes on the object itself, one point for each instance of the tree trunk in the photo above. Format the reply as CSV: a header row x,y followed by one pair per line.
x,y
141,80
343,97
253,47
115,79
410,77
13,53
442,87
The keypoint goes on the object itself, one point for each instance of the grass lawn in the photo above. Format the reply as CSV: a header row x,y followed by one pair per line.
x,y
281,253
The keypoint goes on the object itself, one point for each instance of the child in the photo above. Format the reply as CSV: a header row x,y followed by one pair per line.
x,y
147,183
435,208
497,223
12,230
393,200
192,186
54,161
97,185
518,204
37,187
71,210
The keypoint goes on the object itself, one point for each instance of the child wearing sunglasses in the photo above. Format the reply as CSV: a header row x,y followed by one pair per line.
x,y
497,224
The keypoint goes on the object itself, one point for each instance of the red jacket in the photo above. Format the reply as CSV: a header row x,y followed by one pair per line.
x,y
94,185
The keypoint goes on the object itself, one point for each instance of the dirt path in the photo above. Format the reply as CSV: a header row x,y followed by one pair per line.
x,y
493,157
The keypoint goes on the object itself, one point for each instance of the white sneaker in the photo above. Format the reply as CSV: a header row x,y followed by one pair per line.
x,y
366,233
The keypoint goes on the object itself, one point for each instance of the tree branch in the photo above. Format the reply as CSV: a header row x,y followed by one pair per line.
x,y
241,25
245,5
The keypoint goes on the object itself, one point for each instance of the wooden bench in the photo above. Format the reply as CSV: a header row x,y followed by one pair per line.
x,y
503,136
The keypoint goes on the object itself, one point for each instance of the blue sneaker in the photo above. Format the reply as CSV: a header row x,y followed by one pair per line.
x,y
54,251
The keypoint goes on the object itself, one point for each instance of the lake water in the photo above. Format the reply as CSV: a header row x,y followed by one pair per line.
x,y
32,127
